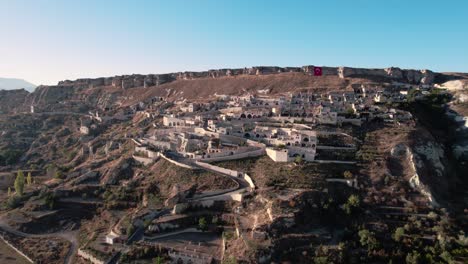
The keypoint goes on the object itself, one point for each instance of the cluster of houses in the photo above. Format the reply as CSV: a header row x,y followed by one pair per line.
x,y
282,126
286,128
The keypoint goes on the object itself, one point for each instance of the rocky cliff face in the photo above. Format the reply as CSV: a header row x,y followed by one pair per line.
x,y
136,80
396,74
108,92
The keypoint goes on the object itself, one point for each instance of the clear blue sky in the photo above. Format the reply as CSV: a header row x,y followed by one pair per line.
x,y
47,41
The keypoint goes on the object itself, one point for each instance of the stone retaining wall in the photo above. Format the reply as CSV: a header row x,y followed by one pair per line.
x,y
16,249
176,162
82,253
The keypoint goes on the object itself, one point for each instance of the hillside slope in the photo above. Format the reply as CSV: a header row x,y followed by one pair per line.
x,y
13,84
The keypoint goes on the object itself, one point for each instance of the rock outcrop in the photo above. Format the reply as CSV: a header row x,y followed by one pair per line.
x,y
392,73
137,80
109,93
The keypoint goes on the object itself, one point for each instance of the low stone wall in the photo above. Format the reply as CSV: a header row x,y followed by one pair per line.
x,y
232,173
278,155
16,249
149,153
176,162
336,148
142,160
352,121
208,202
82,253
236,195
223,248
189,257
350,182
335,161
249,154
255,144
291,119
249,180
217,192
186,230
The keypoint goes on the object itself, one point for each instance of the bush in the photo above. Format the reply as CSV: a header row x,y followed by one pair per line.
x,y
347,175
202,224
9,157
130,229
13,202
352,203
321,260
229,260
228,235
447,257
49,200
367,238
413,258
399,233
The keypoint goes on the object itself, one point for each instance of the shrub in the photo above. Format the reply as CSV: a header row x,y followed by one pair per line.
x,y
447,257
352,203
230,260
399,233
130,229
347,174
413,258
367,238
13,202
202,224
10,157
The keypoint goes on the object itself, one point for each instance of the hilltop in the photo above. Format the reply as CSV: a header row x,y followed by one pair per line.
x,y
13,84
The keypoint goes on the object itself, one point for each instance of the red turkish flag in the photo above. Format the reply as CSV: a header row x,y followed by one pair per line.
x,y
317,71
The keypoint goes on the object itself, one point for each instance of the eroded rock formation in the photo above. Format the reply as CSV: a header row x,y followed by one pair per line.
x,y
137,80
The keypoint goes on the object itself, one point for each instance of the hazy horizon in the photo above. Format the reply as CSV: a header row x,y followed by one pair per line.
x,y
49,41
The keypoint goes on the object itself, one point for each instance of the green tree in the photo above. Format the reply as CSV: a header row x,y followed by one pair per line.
x,y
413,257
202,224
29,178
321,260
447,257
158,260
19,183
367,238
352,203
399,233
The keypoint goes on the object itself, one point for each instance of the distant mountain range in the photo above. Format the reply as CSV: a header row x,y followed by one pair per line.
x,y
12,84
